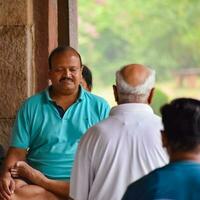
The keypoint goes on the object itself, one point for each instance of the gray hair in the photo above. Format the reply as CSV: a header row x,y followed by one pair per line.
x,y
139,93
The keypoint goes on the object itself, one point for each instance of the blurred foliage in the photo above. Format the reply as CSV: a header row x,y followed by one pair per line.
x,y
159,99
162,34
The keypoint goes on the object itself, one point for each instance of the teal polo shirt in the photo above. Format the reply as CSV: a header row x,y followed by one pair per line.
x,y
52,140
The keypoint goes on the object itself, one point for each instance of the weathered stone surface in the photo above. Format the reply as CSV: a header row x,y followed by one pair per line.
x,y
15,12
5,132
68,23
13,69
41,43
53,25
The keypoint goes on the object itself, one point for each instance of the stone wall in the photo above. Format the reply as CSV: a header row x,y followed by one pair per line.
x,y
16,64
29,30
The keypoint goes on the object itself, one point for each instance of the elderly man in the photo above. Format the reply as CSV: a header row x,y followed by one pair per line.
x,y
124,147
47,131
179,180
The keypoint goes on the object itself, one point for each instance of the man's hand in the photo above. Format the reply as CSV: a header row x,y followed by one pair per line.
x,y
7,183
7,186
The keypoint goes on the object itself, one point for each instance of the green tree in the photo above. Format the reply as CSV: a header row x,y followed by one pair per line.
x,y
162,34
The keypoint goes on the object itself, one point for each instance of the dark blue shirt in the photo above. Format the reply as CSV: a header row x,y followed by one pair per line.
x,y
176,181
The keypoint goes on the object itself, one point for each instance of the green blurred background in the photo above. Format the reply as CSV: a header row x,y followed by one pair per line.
x,y
163,34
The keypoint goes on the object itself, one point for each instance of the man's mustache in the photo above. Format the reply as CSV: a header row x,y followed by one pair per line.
x,y
65,78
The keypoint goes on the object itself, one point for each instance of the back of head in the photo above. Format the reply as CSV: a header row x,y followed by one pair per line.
x,y
87,76
134,83
181,120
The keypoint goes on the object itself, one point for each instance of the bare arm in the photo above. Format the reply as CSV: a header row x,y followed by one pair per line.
x,y
60,188
13,155
22,169
7,185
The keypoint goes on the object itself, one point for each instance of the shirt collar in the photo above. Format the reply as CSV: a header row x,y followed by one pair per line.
x,y
80,98
48,98
81,94
131,107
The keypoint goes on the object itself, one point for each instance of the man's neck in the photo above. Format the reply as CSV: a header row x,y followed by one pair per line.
x,y
64,100
181,156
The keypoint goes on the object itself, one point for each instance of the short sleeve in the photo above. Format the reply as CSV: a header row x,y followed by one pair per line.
x,y
20,133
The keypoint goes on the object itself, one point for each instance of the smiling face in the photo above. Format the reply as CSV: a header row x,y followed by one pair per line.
x,y
65,73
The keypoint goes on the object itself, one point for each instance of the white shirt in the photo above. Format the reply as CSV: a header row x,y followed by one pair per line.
x,y
116,152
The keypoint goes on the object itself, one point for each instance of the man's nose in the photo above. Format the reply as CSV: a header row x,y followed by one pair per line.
x,y
67,73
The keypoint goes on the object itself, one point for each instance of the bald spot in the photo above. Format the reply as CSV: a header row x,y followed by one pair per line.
x,y
135,74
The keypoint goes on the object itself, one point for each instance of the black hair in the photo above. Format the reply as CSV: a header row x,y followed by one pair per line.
x,y
181,120
87,75
61,49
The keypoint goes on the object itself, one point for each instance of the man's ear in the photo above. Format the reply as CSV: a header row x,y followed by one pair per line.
x,y
149,100
115,93
49,78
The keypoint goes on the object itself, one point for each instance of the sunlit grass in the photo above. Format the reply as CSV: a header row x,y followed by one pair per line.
x,y
173,91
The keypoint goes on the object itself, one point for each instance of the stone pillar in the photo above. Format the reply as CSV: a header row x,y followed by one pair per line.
x,y
16,60
29,30
68,23
46,38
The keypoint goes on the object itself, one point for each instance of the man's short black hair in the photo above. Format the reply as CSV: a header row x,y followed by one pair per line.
x,y
181,120
61,49
87,75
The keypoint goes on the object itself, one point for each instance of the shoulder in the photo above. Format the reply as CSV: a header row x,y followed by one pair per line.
x,y
95,99
95,142
157,119
101,132
34,101
146,183
153,120
93,134
37,97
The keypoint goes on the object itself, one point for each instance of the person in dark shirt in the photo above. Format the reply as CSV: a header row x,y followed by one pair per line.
x,y
180,179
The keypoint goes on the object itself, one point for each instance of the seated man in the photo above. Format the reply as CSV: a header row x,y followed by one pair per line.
x,y
179,180
87,78
124,147
47,131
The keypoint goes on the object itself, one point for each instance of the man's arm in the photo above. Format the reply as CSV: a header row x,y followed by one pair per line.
x,y
7,185
60,188
23,170
13,155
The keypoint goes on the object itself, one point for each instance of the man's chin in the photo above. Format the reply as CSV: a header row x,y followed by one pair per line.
x,y
68,90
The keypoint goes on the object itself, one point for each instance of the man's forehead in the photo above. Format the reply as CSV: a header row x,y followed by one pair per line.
x,y
66,55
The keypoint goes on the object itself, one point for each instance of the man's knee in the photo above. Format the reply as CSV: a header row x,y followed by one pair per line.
x,y
33,192
30,190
